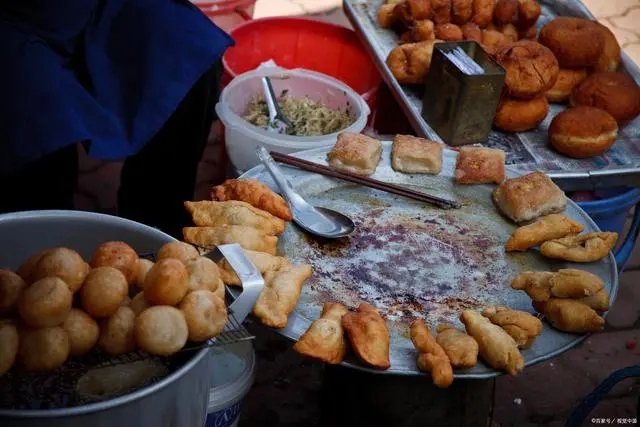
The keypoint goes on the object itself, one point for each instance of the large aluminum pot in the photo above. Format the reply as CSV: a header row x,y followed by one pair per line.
x,y
179,400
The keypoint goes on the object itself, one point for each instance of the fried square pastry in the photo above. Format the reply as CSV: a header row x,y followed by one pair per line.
x,y
410,154
431,356
369,336
248,237
497,348
461,349
523,327
480,165
529,197
587,247
233,212
355,153
569,315
325,339
262,261
255,193
280,294
546,228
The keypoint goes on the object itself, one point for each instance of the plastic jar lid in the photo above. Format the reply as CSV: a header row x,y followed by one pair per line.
x,y
233,373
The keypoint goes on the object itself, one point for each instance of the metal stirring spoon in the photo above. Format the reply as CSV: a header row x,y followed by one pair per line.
x,y
322,222
278,122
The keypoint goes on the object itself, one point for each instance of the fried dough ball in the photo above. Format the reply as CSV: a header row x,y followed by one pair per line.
x,y
530,33
441,11
43,349
615,93
410,62
423,31
520,115
402,14
505,11
609,59
449,32
144,265
47,302
64,263
9,343
510,32
117,333
166,282
178,250
471,31
82,331
568,79
528,13
386,18
26,269
205,313
406,37
531,69
103,291
161,330
11,287
461,11
583,132
139,303
483,12
493,41
118,255
419,9
204,275
576,42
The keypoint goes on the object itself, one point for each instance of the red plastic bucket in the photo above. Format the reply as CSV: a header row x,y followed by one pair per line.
x,y
227,14
303,43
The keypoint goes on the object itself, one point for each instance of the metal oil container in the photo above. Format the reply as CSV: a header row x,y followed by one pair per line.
x,y
460,107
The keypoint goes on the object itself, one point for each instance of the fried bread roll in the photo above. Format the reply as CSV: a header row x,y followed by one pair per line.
x,y
262,261
82,330
449,32
461,349
233,212
505,11
181,251
531,68
471,31
423,31
496,346
280,295
431,356
26,269
167,282
576,42
568,78
615,93
520,115
118,255
45,303
204,274
64,263
588,247
247,237
42,349
368,335
255,193
161,330
144,265
545,228
528,13
325,339
139,304
441,10
205,313
523,327
569,315
566,283
410,62
583,132
117,333
493,41
103,291
609,59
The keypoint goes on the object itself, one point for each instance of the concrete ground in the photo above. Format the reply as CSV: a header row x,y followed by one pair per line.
x,y
288,389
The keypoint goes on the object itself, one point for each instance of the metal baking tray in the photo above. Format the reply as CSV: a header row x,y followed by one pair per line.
x,y
527,151
411,260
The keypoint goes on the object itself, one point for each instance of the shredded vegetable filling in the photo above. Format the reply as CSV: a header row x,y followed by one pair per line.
x,y
308,118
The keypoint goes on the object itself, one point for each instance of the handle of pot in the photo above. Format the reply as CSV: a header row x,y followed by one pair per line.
x,y
624,251
250,278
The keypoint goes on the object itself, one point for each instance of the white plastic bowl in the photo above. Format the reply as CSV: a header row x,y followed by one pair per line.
x,y
242,138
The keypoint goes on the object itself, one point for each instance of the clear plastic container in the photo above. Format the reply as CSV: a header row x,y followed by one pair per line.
x,y
242,138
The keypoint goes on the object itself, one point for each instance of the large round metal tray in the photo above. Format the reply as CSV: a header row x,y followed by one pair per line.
x,y
411,260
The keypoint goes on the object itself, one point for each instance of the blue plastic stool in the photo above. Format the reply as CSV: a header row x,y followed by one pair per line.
x,y
611,215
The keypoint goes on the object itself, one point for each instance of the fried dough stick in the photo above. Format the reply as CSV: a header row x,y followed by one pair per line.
x,y
496,346
523,327
548,227
431,356
461,349
369,336
325,339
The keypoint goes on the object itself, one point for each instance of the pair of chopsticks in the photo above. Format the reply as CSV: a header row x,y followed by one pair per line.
x,y
367,182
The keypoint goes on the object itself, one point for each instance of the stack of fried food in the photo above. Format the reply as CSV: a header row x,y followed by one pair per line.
x,y
249,213
422,23
57,305
601,98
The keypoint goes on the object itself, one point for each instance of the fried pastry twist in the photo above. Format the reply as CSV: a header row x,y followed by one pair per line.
x,y
587,247
431,356
566,283
523,327
569,315
461,349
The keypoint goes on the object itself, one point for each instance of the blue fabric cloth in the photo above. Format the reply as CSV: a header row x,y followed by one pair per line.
x,y
110,72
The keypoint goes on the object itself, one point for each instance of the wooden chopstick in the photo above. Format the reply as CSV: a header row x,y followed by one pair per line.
x,y
366,181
